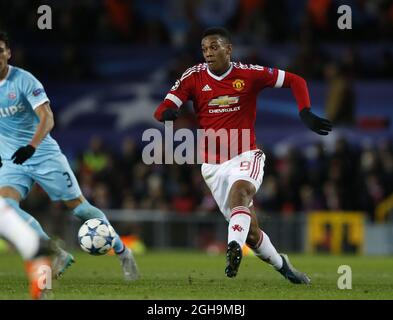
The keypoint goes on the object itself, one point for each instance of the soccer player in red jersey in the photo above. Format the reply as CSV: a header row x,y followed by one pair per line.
x,y
224,94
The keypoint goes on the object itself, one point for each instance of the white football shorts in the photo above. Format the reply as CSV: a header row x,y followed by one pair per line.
x,y
220,177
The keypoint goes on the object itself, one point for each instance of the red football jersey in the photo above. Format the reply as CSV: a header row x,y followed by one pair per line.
x,y
225,102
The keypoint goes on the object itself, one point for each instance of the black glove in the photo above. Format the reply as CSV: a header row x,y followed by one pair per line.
x,y
1,163
315,123
169,115
22,154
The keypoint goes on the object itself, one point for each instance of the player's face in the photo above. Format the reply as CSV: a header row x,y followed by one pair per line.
x,y
5,54
217,53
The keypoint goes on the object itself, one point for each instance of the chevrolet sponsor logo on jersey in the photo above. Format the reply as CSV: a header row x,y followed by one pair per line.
x,y
223,102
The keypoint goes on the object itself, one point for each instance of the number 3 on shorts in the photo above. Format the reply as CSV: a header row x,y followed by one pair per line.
x,y
68,178
245,165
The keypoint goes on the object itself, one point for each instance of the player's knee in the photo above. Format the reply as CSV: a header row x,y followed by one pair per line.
x,y
86,211
241,193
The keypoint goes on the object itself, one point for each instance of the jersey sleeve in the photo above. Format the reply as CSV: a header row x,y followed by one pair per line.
x,y
182,90
266,77
33,90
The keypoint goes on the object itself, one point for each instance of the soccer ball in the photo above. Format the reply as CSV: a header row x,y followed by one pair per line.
x,y
96,236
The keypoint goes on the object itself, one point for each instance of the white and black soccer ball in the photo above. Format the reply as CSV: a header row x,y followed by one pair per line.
x,y
96,236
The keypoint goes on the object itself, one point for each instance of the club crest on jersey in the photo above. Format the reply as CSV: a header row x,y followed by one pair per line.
x,y
223,101
238,84
12,96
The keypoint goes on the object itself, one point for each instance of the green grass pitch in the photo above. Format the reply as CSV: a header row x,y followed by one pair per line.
x,y
173,275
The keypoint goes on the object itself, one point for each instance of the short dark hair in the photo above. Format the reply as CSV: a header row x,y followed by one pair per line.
x,y
4,38
219,31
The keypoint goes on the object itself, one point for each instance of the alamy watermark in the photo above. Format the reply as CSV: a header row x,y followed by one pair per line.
x,y
345,280
42,274
45,20
188,147
345,20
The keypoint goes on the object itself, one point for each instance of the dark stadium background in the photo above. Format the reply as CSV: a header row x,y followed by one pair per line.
x,y
106,65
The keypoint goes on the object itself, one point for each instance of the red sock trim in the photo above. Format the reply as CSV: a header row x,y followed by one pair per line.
x,y
240,210
259,241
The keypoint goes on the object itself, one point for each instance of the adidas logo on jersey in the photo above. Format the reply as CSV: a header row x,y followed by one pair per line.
x,y
206,88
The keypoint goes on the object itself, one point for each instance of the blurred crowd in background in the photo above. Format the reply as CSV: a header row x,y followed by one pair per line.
x,y
296,35
300,180
80,26
178,23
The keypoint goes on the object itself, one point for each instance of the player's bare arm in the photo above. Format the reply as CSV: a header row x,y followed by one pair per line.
x,y
45,125
45,114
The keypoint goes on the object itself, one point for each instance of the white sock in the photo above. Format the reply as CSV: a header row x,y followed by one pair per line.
x,y
239,225
265,251
18,232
